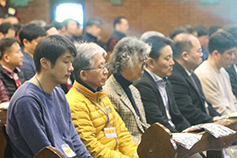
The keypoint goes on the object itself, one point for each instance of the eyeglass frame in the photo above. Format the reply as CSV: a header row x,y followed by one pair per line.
x,y
101,68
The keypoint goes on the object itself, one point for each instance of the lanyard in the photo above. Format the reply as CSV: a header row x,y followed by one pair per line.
x,y
106,113
51,111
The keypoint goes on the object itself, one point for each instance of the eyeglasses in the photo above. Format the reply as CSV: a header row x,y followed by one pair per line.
x,y
101,68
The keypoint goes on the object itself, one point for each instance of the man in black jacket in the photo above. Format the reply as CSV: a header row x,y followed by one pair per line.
x,y
187,88
156,91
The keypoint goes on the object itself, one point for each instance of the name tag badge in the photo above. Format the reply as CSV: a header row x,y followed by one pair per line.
x,y
110,132
11,11
67,150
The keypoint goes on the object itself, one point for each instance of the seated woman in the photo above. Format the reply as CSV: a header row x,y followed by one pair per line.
x,y
98,124
127,64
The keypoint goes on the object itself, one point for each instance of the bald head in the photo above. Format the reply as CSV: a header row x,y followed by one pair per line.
x,y
187,51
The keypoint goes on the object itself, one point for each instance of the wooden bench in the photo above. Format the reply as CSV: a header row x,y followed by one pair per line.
x,y
157,142
5,151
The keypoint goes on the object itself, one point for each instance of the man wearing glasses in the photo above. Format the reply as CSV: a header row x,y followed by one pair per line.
x,y
156,91
127,64
96,121
186,86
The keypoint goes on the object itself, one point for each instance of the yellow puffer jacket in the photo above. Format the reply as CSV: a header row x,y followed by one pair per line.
x,y
90,121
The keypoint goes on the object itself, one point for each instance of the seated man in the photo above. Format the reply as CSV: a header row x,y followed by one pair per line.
x,y
127,64
30,35
186,86
156,91
10,58
213,76
39,114
232,70
96,121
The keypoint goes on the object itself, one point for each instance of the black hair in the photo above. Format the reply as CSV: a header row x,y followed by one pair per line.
x,y
232,30
5,44
66,21
118,19
31,32
179,30
202,31
221,41
4,27
157,43
94,21
213,29
52,47
57,25
180,46
17,28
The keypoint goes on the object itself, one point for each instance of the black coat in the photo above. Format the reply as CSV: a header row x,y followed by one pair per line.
x,y
154,106
233,79
191,102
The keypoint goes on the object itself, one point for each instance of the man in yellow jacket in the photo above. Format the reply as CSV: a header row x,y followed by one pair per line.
x,y
98,124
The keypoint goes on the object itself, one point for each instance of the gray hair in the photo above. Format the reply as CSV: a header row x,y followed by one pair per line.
x,y
126,54
84,58
40,23
148,34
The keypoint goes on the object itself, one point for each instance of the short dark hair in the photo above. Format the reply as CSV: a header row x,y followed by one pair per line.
x,y
57,25
66,21
118,19
221,41
4,27
232,30
94,21
17,28
157,43
51,47
31,32
202,31
181,29
181,45
5,44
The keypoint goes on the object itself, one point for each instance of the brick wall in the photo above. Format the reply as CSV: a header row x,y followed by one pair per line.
x,y
143,15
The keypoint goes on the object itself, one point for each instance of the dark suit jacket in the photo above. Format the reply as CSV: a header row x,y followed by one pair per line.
x,y
154,106
191,102
233,79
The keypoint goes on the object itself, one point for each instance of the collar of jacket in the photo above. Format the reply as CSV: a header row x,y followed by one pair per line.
x,y
95,97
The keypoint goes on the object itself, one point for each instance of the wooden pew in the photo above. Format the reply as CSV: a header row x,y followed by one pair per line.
x,y
50,152
157,142
5,151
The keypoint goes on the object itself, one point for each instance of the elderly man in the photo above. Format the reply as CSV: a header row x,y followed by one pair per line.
x,y
127,64
156,91
187,88
96,121
214,78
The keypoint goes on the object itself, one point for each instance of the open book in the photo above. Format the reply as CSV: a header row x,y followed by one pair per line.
x,y
187,139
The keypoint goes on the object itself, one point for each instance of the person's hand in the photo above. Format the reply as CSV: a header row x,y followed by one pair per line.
x,y
216,118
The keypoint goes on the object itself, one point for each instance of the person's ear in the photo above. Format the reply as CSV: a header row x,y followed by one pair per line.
x,y
151,63
25,42
6,58
216,54
45,64
83,75
184,56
